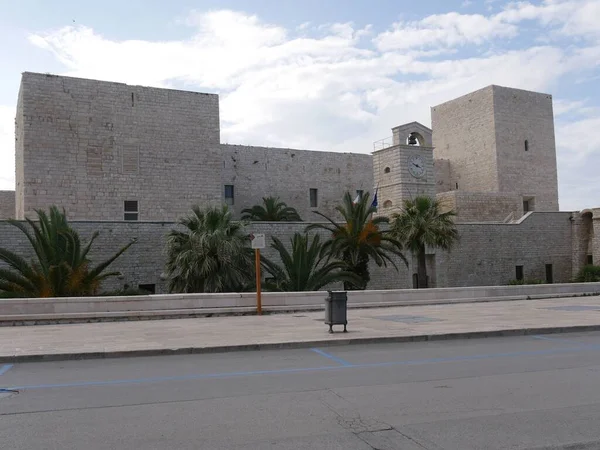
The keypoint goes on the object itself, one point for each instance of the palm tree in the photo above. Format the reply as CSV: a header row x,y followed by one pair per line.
x,y
212,254
61,267
420,224
273,210
304,269
359,239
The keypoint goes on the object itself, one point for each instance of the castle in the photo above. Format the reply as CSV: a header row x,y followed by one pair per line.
x,y
133,156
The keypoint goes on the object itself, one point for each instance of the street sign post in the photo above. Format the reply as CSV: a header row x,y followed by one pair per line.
x,y
258,242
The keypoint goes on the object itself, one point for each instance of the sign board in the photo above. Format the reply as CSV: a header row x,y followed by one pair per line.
x,y
258,240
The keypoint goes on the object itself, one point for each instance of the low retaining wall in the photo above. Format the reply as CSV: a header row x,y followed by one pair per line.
x,y
182,302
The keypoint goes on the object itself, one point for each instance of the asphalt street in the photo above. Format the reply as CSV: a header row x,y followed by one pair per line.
x,y
534,392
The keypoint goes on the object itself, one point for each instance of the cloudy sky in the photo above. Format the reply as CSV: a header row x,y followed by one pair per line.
x,y
322,74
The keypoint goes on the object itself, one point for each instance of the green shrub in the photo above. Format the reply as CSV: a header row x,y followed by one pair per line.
x,y
525,281
588,274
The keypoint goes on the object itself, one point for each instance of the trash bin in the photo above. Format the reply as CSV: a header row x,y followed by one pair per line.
x,y
336,307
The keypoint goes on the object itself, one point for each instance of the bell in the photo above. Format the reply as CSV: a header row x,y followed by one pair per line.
x,y
412,140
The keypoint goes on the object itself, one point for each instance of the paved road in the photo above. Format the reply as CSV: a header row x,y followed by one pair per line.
x,y
501,393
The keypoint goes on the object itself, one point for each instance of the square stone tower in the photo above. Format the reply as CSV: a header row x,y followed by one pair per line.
x,y
111,151
403,167
500,140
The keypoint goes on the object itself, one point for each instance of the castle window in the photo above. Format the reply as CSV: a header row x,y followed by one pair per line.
x,y
229,194
359,193
549,274
387,170
314,198
526,145
519,270
150,288
387,204
130,210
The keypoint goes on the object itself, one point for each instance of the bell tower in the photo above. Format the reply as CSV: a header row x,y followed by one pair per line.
x,y
403,167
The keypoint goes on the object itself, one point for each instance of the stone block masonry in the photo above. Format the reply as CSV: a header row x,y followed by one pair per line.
x,y
486,255
482,206
89,146
257,172
499,139
7,205
463,133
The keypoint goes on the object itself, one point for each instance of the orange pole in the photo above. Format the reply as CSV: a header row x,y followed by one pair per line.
x,y
258,299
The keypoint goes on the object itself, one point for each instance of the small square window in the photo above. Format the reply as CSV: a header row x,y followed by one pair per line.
x,y
130,210
150,288
590,259
229,194
314,198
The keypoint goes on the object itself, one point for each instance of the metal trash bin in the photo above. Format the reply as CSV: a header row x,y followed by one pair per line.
x,y
336,307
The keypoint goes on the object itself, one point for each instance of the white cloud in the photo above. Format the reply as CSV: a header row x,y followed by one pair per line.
x,y
323,86
444,30
572,17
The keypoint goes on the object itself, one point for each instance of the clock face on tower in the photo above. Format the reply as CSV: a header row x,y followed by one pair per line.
x,y
416,166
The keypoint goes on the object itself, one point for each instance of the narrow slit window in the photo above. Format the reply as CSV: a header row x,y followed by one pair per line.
x,y
549,274
314,198
526,145
229,194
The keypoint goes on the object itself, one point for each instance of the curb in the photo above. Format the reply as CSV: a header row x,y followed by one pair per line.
x,y
16,320
295,345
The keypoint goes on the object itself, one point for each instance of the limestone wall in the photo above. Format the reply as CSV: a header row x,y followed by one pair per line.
x,y
443,179
486,254
257,172
463,132
482,206
528,169
7,205
595,237
583,235
89,145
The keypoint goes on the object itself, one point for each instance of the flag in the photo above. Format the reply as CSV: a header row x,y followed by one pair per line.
x,y
374,203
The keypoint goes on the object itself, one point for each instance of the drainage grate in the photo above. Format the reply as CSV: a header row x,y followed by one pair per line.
x,y
575,308
408,319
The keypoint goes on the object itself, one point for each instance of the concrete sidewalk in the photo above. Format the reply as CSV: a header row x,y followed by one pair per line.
x,y
118,339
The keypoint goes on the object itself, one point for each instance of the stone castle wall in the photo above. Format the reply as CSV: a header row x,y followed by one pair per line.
x,y
257,172
89,145
486,254
489,253
7,205
528,169
464,133
482,206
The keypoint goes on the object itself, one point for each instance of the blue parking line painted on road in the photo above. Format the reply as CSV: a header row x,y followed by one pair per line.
x,y
5,368
333,358
225,375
